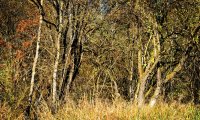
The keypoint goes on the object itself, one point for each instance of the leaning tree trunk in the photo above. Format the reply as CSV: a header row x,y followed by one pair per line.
x,y
159,78
35,60
36,56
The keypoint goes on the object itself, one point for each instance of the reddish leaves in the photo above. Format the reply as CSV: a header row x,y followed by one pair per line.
x,y
19,55
24,24
27,44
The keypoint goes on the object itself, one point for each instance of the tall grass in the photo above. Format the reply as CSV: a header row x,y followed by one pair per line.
x,y
122,110
118,110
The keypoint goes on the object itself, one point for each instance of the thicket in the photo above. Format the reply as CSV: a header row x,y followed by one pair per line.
x,y
84,59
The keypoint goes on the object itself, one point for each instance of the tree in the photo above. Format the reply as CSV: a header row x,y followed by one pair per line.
x,y
36,58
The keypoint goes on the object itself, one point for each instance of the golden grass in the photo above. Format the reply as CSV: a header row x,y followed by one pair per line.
x,y
121,110
118,110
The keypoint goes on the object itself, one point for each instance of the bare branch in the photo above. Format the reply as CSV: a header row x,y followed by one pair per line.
x,y
50,23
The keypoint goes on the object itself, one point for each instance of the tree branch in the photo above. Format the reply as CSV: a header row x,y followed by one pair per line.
x,y
50,23
148,71
176,70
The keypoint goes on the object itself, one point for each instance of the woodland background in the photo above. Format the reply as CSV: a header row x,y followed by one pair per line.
x,y
99,59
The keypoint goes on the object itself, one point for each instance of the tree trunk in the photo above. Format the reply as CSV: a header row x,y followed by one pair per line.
x,y
36,56
142,82
159,78
140,68
35,62
68,81
158,89
196,91
141,98
131,83
131,89
54,84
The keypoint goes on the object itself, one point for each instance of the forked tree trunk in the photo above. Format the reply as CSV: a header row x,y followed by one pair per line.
x,y
69,66
142,81
72,54
67,50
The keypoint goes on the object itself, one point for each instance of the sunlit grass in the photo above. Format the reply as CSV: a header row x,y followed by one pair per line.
x,y
118,110
121,110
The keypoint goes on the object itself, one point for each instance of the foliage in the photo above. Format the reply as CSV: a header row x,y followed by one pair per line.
x,y
100,54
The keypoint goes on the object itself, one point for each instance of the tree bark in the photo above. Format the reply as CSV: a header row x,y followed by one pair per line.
x,y
157,90
35,62
140,72
57,42
72,55
143,79
159,78
36,56
131,89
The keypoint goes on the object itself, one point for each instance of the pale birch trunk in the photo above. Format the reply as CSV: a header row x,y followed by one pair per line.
x,y
57,42
36,56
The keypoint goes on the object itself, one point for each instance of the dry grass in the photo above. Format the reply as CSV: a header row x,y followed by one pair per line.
x,y
118,110
121,110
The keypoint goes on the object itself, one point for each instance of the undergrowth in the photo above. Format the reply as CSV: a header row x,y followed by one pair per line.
x,y
118,110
